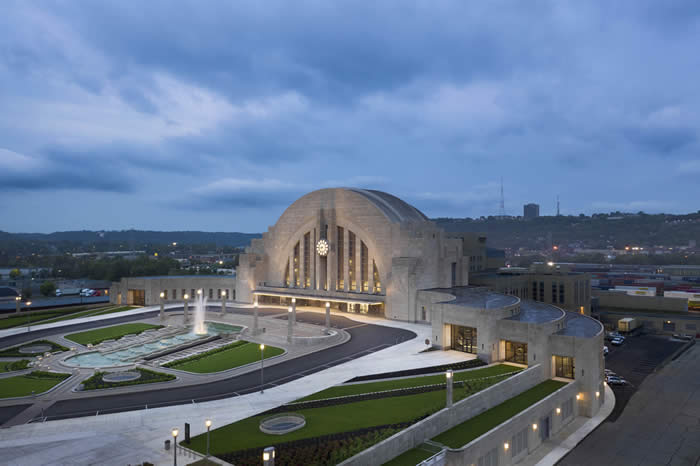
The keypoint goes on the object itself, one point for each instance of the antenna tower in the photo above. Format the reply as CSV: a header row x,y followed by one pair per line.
x,y
558,205
502,206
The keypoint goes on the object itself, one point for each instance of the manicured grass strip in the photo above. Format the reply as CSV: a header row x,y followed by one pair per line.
x,y
22,319
411,457
467,431
23,385
78,315
199,356
355,389
227,359
147,376
322,421
109,333
14,351
9,366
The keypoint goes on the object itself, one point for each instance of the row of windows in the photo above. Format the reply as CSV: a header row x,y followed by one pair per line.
x,y
192,294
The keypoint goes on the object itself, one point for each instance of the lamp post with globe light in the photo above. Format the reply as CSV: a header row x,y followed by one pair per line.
x,y
262,366
174,433
185,317
29,316
208,424
162,306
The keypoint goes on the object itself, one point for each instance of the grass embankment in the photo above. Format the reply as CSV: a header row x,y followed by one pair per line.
x,y
109,333
95,382
23,385
90,313
412,457
467,431
14,351
347,417
227,357
47,316
356,389
10,366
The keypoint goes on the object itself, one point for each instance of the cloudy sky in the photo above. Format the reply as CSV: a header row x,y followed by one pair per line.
x,y
217,115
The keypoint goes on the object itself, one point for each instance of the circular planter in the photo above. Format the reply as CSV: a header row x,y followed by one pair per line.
x,y
126,376
282,423
35,349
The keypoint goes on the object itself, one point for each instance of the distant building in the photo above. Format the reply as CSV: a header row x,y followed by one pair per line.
x,y
531,211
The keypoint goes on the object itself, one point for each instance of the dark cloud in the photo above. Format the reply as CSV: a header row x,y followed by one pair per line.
x,y
188,107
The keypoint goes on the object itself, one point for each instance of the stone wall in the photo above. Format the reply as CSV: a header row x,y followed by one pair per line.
x,y
446,418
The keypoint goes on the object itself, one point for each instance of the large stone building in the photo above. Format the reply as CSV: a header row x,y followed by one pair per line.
x,y
146,291
370,252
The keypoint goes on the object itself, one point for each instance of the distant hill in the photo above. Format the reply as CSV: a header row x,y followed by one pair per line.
x,y
234,239
598,231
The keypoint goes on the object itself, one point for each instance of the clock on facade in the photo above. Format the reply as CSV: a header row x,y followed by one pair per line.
x,y
322,247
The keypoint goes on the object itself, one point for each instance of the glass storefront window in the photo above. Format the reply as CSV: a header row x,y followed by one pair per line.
x,y
516,352
564,367
464,339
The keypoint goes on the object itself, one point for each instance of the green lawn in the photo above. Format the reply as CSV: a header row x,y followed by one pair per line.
x,y
467,431
322,421
42,316
9,366
78,315
113,310
14,351
411,457
235,356
109,333
23,385
355,389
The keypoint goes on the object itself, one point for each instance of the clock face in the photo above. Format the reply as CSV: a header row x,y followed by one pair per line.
x,y
322,247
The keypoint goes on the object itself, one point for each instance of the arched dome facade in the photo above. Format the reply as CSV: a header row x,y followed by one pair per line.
x,y
363,249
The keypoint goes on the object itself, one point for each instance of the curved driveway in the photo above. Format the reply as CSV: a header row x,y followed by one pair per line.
x,y
366,338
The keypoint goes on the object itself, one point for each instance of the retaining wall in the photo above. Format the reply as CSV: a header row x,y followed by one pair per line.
x,y
446,418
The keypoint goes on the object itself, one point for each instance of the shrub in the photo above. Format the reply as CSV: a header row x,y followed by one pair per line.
x,y
147,376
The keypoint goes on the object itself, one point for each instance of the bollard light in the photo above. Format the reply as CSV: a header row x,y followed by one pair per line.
x,y
448,374
262,347
207,423
289,309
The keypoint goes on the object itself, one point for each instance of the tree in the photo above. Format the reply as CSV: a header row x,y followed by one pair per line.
x,y
15,274
48,288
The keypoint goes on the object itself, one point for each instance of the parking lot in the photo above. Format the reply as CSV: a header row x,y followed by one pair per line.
x,y
634,360
661,424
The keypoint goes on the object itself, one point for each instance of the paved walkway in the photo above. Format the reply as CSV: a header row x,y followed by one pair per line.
x,y
137,436
659,426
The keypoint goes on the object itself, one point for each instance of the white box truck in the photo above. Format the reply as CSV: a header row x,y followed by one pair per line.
x,y
627,324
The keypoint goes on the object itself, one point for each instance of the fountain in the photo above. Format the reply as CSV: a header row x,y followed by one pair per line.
x,y
200,308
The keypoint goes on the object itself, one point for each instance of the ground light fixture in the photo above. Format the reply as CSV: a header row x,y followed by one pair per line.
x,y
268,456
208,424
597,394
174,433
262,367
448,374
558,410
534,426
506,446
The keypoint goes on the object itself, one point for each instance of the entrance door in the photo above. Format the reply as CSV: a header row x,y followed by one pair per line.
x,y
464,339
516,352
544,431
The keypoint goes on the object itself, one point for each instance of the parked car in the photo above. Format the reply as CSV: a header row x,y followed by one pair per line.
x,y
609,372
617,341
605,350
615,380
87,292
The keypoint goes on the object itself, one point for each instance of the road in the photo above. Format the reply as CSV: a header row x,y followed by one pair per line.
x,y
366,338
659,426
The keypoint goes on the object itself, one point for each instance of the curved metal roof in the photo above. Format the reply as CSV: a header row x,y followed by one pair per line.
x,y
394,208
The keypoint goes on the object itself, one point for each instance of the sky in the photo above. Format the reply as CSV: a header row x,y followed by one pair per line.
x,y
217,115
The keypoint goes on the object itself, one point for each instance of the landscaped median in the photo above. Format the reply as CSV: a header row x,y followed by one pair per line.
x,y
11,366
90,313
344,420
33,383
43,317
147,376
226,357
109,333
15,350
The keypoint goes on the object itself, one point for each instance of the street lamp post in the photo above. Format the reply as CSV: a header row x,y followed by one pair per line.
x,y
208,424
162,306
448,376
328,316
262,367
223,302
294,311
29,316
185,317
18,300
175,432
255,317
290,328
